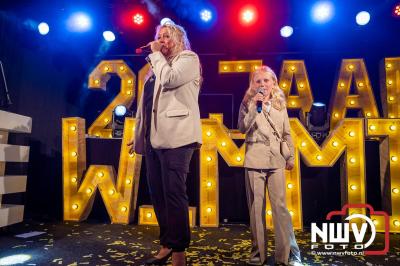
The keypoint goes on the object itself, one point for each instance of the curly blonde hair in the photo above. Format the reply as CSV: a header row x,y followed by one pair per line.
x,y
178,36
278,99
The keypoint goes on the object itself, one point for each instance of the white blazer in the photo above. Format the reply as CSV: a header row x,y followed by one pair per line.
x,y
176,117
262,146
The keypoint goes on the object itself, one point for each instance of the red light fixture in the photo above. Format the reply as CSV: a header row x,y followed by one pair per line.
x,y
248,15
138,19
133,18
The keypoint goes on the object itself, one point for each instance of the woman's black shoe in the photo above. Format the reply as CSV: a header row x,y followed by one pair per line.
x,y
159,261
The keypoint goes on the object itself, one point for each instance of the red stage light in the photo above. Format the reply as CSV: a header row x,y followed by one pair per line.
x,y
138,18
248,15
396,10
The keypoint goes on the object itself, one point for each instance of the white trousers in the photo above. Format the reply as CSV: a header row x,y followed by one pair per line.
x,y
285,241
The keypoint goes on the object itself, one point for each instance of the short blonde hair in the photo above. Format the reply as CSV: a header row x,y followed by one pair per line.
x,y
278,100
178,36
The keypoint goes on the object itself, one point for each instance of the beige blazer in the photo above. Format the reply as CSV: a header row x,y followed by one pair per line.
x,y
262,146
176,117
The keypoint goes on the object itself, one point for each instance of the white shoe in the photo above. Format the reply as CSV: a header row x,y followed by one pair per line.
x,y
295,263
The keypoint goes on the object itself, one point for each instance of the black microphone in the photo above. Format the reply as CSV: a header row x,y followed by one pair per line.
x,y
260,103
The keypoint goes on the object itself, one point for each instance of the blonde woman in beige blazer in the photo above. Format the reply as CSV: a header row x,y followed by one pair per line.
x,y
167,131
264,166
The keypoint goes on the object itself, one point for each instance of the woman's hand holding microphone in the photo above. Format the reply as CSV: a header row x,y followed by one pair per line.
x,y
155,46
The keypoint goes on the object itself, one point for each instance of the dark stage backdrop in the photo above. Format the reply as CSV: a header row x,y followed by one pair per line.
x,y
48,81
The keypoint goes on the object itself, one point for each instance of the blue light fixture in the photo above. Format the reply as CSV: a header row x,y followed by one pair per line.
x,y
118,120
205,15
120,110
363,18
286,31
43,28
109,36
322,11
79,22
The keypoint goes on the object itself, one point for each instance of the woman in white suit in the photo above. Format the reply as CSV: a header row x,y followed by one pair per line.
x,y
263,108
167,132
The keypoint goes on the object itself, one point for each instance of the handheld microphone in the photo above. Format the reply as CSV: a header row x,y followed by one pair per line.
x,y
260,103
142,49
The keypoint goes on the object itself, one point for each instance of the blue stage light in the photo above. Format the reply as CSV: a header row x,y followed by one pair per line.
x,y
118,120
322,11
363,18
43,28
109,36
120,110
79,22
286,31
205,15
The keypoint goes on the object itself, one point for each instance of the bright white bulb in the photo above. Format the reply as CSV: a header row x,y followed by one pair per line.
x,y
322,11
363,18
120,110
286,31
109,36
205,15
43,28
79,22
248,15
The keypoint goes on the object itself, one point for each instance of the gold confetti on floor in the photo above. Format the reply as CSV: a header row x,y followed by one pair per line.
x,y
88,243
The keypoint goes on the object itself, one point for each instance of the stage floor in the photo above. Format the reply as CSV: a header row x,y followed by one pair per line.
x,y
90,243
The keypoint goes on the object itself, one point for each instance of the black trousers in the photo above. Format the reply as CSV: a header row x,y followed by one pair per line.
x,y
166,176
